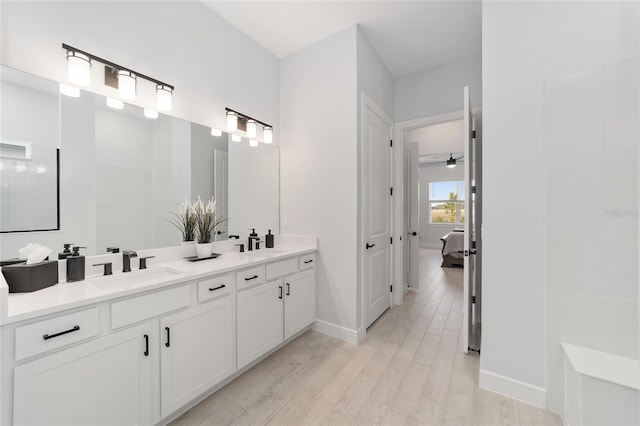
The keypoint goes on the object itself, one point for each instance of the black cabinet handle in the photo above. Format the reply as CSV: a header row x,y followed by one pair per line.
x,y
370,246
217,288
146,345
280,287
168,337
71,330
250,278
308,261
288,289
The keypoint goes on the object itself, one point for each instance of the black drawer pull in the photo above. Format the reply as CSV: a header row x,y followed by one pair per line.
x,y
217,288
280,287
250,278
308,261
288,289
146,345
71,330
168,337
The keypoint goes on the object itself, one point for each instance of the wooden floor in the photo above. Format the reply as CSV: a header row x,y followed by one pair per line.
x,y
409,370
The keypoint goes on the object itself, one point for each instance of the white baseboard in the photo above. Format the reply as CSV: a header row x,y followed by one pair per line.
x,y
346,334
512,388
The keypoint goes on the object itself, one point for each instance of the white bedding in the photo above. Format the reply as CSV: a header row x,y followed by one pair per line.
x,y
454,242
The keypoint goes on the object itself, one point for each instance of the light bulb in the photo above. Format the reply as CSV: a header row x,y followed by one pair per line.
x,y
216,132
253,142
232,121
252,128
79,68
163,97
150,113
267,134
115,103
41,169
21,166
67,90
127,85
236,138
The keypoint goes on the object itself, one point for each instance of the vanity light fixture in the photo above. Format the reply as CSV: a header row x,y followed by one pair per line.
x,y
252,128
41,169
127,85
232,121
267,134
114,103
150,113
451,162
238,121
236,138
253,143
79,73
21,166
71,91
216,132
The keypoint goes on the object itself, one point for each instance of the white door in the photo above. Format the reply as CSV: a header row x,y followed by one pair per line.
x,y
220,191
259,320
299,302
469,227
197,352
376,212
413,222
106,381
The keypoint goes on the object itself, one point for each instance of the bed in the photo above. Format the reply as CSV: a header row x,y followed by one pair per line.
x,y
453,248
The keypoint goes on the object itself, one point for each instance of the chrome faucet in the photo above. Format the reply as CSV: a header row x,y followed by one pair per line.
x,y
126,259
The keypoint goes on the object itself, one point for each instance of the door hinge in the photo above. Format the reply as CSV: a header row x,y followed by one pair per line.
x,y
391,240
391,288
473,189
473,244
473,134
473,299
391,143
391,191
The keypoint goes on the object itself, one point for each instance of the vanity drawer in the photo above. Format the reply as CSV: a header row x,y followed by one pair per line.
x,y
250,277
284,267
213,287
151,305
307,261
55,333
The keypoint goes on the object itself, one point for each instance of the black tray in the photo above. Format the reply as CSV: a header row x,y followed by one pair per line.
x,y
196,258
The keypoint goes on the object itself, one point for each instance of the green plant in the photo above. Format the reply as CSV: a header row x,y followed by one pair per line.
x,y
185,221
206,220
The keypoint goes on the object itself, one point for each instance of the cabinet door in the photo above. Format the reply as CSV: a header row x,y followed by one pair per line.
x,y
106,381
299,302
259,320
197,351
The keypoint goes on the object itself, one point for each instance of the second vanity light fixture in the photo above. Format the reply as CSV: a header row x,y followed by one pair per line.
x,y
79,63
237,120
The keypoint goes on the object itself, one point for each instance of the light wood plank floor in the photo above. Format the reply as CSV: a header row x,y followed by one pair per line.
x,y
409,370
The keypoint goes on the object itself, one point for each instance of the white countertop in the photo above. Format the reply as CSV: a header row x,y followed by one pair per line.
x,y
164,273
604,366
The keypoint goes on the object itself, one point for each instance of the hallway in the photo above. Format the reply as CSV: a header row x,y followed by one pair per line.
x,y
409,370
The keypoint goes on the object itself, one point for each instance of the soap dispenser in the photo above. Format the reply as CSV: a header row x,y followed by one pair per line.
x,y
75,265
269,239
66,252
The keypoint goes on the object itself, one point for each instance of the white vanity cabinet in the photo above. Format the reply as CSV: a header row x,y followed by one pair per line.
x,y
196,351
104,381
299,302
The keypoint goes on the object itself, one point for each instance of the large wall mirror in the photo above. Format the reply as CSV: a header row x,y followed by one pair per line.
x,y
123,173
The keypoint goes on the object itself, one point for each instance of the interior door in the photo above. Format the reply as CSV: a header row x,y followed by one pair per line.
x,y
376,212
413,223
220,191
469,226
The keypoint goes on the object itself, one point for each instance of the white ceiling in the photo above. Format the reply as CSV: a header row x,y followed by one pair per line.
x,y
408,35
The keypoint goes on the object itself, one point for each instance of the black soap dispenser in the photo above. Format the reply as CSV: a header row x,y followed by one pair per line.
x,y
75,265
269,239
66,252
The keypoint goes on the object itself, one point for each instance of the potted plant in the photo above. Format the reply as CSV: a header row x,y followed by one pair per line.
x,y
185,222
206,223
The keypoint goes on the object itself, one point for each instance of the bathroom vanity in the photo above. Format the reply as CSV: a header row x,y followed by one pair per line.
x,y
141,347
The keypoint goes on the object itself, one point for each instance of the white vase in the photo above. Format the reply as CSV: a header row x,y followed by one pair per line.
x,y
204,249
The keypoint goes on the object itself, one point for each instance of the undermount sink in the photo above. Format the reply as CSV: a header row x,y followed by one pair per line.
x,y
263,253
136,277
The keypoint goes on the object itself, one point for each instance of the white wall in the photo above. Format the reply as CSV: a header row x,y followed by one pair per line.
x,y
430,234
438,90
318,98
211,63
526,44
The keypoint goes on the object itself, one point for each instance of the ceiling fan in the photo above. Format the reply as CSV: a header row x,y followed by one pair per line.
x,y
451,162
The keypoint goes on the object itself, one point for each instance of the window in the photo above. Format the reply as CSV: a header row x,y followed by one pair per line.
x,y
446,201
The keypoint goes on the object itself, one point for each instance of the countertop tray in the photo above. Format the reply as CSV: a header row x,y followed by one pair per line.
x,y
197,259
